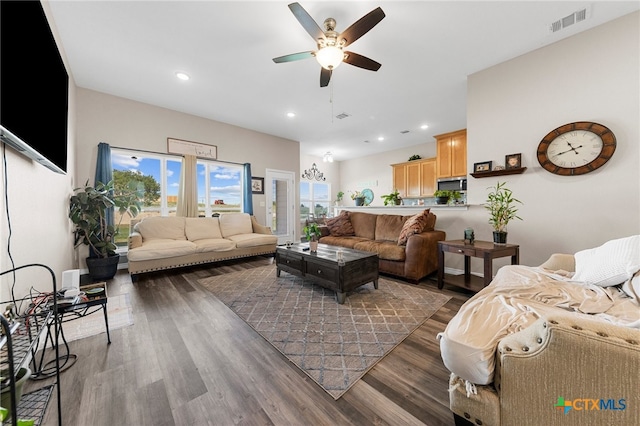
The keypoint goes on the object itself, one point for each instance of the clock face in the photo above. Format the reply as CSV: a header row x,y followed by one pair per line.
x,y
576,148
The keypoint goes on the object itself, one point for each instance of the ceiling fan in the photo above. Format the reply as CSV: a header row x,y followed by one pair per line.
x,y
330,43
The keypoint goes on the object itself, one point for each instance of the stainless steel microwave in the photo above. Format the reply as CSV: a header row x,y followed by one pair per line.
x,y
452,184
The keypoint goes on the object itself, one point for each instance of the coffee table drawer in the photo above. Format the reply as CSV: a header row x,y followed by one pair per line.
x,y
461,250
322,271
289,261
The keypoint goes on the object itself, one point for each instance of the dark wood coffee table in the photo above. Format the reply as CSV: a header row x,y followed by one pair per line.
x,y
358,268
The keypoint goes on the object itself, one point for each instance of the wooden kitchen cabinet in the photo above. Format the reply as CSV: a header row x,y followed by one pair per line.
x,y
451,154
414,179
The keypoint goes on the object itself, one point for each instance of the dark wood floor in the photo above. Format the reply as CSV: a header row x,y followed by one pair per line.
x,y
188,360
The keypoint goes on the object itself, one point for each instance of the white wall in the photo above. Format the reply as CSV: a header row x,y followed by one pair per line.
x,y
129,124
36,227
375,172
592,76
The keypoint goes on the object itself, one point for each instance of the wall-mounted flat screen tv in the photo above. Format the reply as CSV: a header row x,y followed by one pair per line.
x,y
34,85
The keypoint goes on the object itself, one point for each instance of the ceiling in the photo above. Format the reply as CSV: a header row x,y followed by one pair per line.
x,y
133,49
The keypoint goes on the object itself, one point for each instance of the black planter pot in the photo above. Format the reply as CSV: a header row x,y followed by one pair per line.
x,y
499,237
359,201
103,268
442,200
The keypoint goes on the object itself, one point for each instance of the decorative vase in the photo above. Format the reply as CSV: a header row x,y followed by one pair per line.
x,y
313,246
500,237
359,201
103,268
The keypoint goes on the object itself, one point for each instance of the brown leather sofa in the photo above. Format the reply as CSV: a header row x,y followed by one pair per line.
x,y
379,233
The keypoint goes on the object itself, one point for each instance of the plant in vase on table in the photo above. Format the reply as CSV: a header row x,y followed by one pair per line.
x,y
357,197
312,233
444,196
339,197
502,209
393,198
88,211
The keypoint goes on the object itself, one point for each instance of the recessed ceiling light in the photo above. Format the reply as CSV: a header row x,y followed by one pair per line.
x,y
424,126
182,76
381,138
291,114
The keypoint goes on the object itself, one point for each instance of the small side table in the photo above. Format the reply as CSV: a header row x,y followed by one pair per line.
x,y
482,249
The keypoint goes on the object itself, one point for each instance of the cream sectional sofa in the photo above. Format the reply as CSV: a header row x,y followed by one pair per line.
x,y
158,243
557,344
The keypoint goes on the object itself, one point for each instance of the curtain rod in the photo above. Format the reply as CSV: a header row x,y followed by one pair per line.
x,y
166,153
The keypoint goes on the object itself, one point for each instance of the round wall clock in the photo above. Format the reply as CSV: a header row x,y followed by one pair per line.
x,y
576,148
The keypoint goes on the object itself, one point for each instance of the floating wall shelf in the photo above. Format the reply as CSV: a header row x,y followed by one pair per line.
x,y
499,173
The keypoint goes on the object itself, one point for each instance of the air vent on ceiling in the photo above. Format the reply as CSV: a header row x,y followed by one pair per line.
x,y
404,132
569,20
342,115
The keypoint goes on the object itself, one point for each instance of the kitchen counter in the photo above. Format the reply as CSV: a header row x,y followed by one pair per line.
x,y
401,210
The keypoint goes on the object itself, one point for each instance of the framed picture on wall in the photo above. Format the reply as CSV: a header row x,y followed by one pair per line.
x,y
257,185
485,166
513,161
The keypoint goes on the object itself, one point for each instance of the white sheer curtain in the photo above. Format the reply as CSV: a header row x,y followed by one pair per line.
x,y
188,190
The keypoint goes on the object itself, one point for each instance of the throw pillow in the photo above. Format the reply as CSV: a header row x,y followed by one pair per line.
x,y
414,225
340,226
612,263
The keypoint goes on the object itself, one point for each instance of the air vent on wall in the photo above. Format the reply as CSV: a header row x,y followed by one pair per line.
x,y
342,115
569,20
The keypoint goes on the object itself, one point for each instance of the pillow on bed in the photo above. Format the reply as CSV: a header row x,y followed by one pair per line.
x,y
612,263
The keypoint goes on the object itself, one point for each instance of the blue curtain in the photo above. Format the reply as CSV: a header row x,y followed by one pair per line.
x,y
247,197
104,173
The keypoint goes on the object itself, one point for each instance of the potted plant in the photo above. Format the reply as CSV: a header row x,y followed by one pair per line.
x,y
312,233
442,196
88,212
394,198
358,198
339,196
502,209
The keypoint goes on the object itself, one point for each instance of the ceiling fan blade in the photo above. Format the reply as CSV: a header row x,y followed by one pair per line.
x,y
307,21
293,57
325,76
361,61
362,26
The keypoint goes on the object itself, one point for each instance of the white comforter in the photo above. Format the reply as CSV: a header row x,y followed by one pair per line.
x,y
518,296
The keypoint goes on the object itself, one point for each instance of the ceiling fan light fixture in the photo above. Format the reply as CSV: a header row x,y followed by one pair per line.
x,y
330,57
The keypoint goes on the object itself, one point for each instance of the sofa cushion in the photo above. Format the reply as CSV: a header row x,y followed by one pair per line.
x,y
235,223
253,240
388,227
340,226
364,224
213,244
202,228
414,225
159,248
387,250
161,227
612,263
348,242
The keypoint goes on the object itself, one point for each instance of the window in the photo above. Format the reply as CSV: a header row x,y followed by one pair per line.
x,y
219,185
219,188
314,200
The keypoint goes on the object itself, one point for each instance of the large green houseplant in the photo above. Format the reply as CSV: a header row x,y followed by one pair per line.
x,y
88,212
502,209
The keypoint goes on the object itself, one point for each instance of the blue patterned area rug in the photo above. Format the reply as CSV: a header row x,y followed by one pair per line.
x,y
333,344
